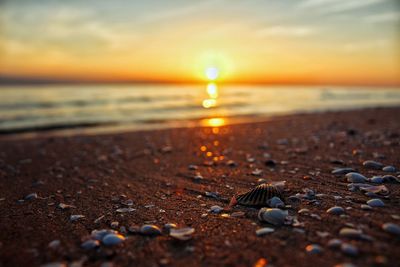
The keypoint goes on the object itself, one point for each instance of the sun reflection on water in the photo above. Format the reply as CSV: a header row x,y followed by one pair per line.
x,y
211,101
212,90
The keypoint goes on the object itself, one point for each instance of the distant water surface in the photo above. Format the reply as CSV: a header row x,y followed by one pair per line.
x,y
29,108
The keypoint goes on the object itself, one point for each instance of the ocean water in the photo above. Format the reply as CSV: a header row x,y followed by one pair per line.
x,y
38,108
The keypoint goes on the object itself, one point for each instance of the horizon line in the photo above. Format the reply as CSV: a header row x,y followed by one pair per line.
x,y
11,80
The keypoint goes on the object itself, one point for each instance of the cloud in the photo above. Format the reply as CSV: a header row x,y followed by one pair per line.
x,y
363,46
287,31
314,3
383,17
179,11
335,6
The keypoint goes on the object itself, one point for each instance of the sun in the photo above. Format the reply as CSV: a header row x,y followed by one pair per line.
x,y
212,73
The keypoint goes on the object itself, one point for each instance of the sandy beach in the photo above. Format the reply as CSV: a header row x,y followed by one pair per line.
x,y
123,181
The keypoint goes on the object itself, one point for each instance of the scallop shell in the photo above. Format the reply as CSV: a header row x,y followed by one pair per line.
x,y
259,195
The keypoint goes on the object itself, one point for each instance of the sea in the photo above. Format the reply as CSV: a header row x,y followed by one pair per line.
x,y
141,107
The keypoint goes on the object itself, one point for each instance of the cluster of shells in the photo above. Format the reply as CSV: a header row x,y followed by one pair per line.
x,y
265,195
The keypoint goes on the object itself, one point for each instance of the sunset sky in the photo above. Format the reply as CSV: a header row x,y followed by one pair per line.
x,y
277,41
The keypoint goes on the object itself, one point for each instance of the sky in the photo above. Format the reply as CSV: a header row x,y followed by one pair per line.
x,y
346,42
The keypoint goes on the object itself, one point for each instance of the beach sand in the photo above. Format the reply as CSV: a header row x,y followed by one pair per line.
x,y
97,173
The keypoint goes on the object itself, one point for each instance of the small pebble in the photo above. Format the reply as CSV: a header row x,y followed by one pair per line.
x,y
334,243
376,202
335,210
31,196
124,210
193,167
391,228
257,172
340,171
389,169
315,216
149,229
395,216
390,179
169,226
314,249
355,177
99,234
349,249
128,202
323,234
74,218
270,163
54,244
264,231
377,180
373,164
366,207
90,244
273,216
275,202
304,211
216,209
231,163
112,239
65,206
238,214
99,219
198,177
350,233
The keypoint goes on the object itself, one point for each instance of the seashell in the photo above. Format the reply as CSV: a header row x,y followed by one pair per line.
x,y
124,210
74,218
182,234
259,195
264,231
378,189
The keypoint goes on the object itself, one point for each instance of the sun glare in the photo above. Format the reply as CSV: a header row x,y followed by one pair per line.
x,y
212,73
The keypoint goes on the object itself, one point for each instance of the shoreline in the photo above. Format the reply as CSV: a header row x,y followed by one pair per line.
x,y
152,125
97,175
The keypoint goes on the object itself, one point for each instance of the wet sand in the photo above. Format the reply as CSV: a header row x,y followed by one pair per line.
x,y
97,174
